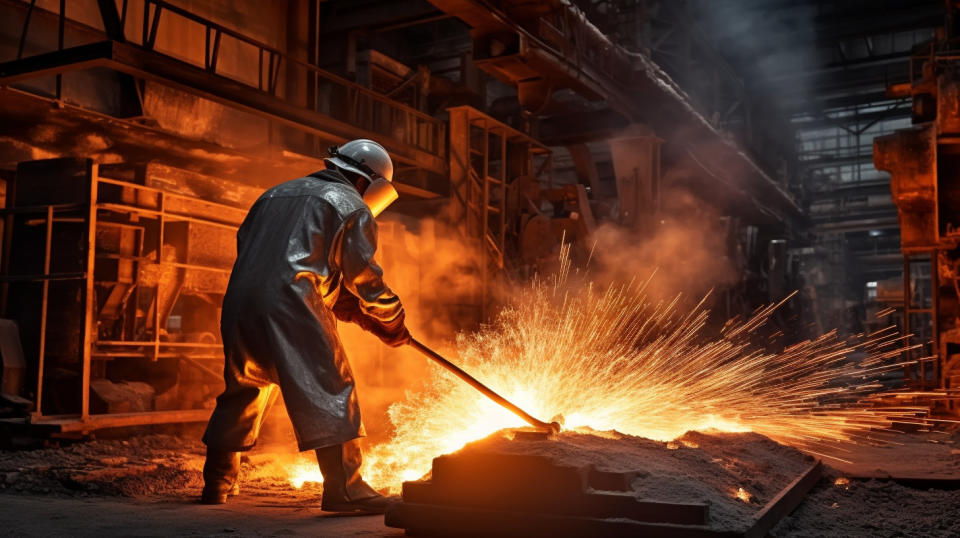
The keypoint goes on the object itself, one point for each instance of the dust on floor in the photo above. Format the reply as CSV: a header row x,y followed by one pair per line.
x,y
143,466
28,516
872,508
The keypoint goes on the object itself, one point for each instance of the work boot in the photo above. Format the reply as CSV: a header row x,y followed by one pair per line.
x,y
220,476
343,489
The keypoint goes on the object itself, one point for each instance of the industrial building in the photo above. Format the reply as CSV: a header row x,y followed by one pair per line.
x,y
752,195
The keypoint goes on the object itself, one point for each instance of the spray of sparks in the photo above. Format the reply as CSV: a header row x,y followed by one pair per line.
x,y
612,358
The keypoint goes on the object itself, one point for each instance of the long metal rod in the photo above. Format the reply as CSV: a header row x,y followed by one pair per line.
x,y
42,353
484,223
934,315
26,26
60,30
89,327
907,304
156,298
487,391
785,502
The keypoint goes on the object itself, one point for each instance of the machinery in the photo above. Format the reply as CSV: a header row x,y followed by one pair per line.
x,y
924,163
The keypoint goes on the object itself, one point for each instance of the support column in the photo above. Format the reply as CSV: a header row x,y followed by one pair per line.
x,y
636,164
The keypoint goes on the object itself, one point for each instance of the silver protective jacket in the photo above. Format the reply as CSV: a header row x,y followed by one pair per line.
x,y
305,257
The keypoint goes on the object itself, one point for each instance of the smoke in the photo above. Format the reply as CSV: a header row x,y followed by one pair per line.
x,y
685,255
428,265
433,271
763,44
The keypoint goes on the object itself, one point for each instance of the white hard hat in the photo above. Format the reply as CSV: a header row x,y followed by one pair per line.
x,y
364,157
370,160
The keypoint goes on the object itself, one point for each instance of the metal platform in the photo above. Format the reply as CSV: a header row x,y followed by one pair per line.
x,y
74,423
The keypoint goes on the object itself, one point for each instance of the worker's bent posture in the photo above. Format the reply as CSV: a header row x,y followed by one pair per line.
x,y
304,260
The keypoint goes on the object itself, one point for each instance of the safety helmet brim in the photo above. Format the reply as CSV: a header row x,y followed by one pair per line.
x,y
344,165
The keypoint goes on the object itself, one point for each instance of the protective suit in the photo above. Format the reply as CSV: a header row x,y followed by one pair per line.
x,y
305,256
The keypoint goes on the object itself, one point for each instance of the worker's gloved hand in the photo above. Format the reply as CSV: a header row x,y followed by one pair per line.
x,y
347,309
401,338
394,334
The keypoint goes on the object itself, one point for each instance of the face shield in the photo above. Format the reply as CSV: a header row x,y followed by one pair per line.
x,y
379,194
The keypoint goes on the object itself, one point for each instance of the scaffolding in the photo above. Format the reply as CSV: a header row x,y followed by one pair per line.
x,y
134,267
921,285
486,156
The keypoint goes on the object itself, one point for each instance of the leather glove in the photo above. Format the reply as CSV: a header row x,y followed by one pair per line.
x,y
347,308
399,339
394,334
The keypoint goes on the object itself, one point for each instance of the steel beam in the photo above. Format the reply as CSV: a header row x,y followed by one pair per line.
x,y
142,63
785,502
580,127
73,423
834,99
373,15
56,62
111,19
644,95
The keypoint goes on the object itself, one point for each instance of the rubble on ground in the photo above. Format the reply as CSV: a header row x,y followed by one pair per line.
x,y
150,465
842,507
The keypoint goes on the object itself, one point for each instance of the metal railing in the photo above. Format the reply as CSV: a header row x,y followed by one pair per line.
x,y
325,92
117,203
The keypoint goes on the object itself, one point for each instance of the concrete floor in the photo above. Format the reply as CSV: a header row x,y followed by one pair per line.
x,y
35,502
28,515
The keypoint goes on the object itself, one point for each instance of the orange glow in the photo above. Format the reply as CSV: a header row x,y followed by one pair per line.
x,y
743,495
612,358
304,470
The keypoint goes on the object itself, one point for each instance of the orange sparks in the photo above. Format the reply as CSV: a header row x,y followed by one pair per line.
x,y
612,358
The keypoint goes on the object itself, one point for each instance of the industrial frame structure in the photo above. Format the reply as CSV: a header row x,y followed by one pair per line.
x,y
360,111
486,157
114,203
576,87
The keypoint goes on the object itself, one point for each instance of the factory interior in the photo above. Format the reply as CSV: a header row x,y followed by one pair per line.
x,y
675,268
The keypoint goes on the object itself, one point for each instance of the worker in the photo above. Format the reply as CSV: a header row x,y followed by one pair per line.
x,y
305,258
